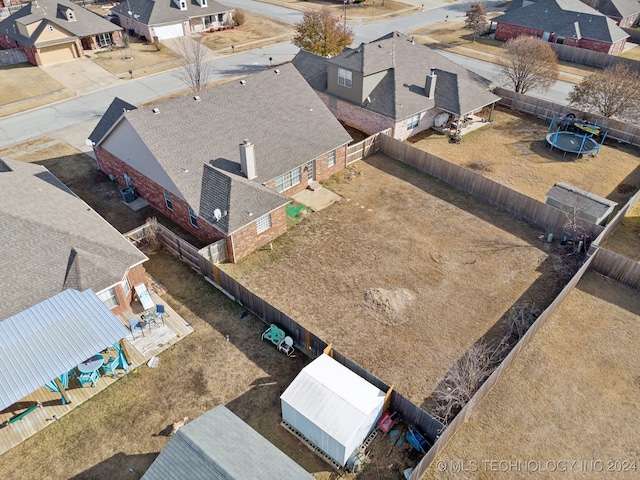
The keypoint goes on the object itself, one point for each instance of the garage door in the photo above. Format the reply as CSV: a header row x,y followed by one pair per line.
x,y
57,53
169,31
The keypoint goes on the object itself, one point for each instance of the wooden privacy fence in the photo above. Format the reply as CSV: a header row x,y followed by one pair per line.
x,y
618,268
216,252
486,387
313,347
366,147
12,56
591,57
634,35
616,130
617,219
530,209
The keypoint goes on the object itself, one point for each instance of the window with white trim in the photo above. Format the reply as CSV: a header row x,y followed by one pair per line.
x,y
51,29
263,223
331,158
192,218
413,121
104,39
344,77
288,180
109,297
126,287
167,200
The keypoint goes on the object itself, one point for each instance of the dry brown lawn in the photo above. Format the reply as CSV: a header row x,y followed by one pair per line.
x,y
571,395
257,32
145,59
405,273
26,86
516,154
625,239
632,53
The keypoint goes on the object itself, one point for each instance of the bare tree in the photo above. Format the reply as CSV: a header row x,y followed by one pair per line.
x,y
195,68
612,92
322,33
529,64
520,318
465,378
476,20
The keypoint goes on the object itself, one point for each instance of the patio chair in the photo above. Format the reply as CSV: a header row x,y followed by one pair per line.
x,y
134,324
160,313
274,334
144,297
110,367
92,378
286,346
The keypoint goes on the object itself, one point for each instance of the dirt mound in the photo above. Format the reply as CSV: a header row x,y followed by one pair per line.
x,y
389,304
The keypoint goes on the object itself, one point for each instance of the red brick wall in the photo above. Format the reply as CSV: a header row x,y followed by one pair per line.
x,y
323,171
357,117
6,42
116,38
245,241
506,32
154,195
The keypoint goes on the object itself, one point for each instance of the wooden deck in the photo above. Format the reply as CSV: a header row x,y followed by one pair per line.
x,y
156,339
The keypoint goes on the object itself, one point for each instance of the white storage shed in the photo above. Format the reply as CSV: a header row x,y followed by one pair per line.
x,y
332,407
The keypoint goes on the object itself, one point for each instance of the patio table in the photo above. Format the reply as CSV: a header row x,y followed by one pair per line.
x,y
91,364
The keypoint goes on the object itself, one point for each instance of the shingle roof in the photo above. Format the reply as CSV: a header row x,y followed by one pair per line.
x,y
560,16
618,8
220,446
52,240
163,12
582,200
86,24
110,117
278,112
43,341
400,93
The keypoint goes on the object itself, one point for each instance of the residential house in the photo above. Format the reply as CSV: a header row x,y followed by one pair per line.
x,y
220,446
223,163
624,12
51,31
53,241
568,22
393,82
163,19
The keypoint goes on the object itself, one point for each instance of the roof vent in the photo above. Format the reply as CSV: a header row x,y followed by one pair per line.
x,y
243,82
196,98
277,70
156,110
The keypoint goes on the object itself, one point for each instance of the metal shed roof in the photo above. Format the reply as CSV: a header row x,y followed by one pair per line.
x,y
220,446
333,397
50,338
585,202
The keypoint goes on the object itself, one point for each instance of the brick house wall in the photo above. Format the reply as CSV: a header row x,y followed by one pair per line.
x,y
401,132
506,32
6,42
246,240
239,244
356,117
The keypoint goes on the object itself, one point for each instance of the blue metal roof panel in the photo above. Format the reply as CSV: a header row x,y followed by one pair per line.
x,y
50,338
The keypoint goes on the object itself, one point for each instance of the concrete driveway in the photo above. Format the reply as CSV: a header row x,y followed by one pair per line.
x,y
81,75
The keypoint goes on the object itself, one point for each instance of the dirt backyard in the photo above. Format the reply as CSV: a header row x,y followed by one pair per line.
x,y
513,151
405,273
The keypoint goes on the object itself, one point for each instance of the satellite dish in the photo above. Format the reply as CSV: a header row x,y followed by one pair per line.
x,y
217,214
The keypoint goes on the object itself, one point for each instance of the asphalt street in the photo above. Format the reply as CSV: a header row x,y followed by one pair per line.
x,y
74,118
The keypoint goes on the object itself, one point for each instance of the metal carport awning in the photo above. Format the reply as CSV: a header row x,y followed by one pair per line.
x,y
50,338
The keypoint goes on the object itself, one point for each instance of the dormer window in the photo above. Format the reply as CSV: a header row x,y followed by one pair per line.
x,y
70,15
344,77
183,5
51,29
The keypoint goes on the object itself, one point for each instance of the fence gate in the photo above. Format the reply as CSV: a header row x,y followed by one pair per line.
x,y
363,149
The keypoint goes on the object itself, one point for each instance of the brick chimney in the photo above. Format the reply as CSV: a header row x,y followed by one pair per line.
x,y
248,159
430,84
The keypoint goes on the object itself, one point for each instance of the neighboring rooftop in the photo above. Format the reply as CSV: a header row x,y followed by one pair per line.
x,y
160,12
86,23
400,92
52,240
220,446
569,18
